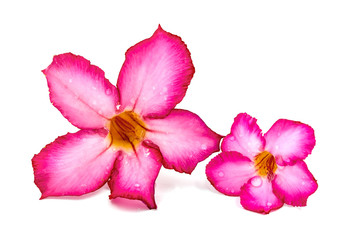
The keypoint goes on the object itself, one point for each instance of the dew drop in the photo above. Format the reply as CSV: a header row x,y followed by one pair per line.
x,y
117,107
231,138
108,91
276,146
165,98
269,204
221,174
256,181
70,80
137,185
303,183
100,112
204,147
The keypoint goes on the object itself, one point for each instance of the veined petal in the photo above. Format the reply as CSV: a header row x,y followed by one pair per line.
x,y
257,195
294,184
74,164
80,91
155,75
134,175
289,141
245,137
183,138
229,171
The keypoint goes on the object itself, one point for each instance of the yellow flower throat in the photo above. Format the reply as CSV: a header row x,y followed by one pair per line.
x,y
265,164
126,130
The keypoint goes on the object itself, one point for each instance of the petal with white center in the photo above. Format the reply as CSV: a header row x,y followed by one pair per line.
x,y
80,91
155,75
289,141
245,137
183,138
229,171
294,184
74,164
135,173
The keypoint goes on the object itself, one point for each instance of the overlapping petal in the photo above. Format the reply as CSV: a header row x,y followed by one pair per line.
x,y
257,195
290,141
294,184
74,164
155,75
80,91
245,137
229,171
135,173
183,138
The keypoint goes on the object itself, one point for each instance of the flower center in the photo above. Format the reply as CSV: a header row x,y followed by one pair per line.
x,y
126,130
265,164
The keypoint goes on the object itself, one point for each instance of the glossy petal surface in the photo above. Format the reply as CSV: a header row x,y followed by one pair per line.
x,y
134,175
245,137
155,75
257,195
74,164
183,138
290,141
80,91
229,171
294,184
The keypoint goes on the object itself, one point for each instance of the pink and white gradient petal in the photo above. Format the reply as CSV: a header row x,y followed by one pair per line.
x,y
245,137
80,91
134,175
183,138
229,171
257,195
74,164
155,75
294,184
289,141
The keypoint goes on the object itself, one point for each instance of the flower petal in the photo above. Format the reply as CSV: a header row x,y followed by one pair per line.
x,y
134,175
289,141
257,195
155,75
229,171
245,137
74,164
294,184
80,91
183,138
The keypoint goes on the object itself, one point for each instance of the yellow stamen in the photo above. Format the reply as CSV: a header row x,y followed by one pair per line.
x,y
265,164
126,130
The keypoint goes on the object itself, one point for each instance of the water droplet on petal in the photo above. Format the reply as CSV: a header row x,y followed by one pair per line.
x,y
108,91
221,174
117,107
303,183
204,147
269,204
137,185
256,181
231,138
70,80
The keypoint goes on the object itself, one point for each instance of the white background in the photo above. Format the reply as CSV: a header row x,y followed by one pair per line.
x,y
271,59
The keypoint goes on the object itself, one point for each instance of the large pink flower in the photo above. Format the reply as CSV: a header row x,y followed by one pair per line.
x,y
265,171
127,132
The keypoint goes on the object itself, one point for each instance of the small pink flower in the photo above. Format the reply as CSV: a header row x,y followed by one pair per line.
x,y
127,132
265,171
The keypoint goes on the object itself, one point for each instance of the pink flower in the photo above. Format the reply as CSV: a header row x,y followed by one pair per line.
x,y
127,132
265,171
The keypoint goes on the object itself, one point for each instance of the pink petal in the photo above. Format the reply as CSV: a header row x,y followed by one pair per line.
x,y
134,175
80,91
183,138
257,195
155,74
229,171
294,184
290,141
74,164
245,137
